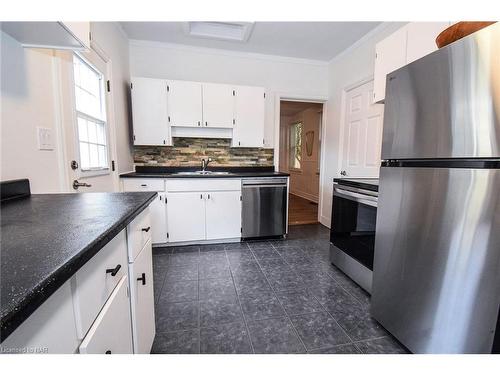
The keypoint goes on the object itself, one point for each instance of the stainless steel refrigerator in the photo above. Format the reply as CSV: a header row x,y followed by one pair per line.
x,y
436,276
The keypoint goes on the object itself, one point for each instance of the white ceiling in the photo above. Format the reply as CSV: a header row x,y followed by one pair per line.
x,y
307,40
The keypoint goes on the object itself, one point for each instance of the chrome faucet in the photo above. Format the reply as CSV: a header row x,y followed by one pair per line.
x,y
204,163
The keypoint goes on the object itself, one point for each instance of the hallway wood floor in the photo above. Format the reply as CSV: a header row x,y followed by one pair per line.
x,y
302,211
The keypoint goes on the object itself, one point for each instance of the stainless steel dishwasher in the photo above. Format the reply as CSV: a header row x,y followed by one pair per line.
x,y
264,207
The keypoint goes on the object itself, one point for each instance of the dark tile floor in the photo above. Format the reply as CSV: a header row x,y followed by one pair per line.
x,y
262,297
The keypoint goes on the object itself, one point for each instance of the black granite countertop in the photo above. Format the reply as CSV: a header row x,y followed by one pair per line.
x,y
362,183
233,172
46,238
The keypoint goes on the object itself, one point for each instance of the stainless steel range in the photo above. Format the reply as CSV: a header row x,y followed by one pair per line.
x,y
354,216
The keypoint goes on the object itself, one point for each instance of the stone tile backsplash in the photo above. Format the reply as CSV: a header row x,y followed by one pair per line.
x,y
190,151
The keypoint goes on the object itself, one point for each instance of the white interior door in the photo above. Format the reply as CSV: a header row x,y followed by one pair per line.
x,y
223,214
186,216
249,115
218,105
149,111
362,133
185,103
88,122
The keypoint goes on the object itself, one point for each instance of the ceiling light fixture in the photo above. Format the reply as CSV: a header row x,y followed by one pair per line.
x,y
232,31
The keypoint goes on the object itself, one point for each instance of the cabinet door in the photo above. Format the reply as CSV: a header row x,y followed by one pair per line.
x,y
184,103
249,115
223,215
218,105
149,112
111,332
390,54
143,315
421,39
186,216
158,210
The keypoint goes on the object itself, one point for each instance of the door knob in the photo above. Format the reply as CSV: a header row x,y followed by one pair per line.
x,y
114,271
77,184
142,278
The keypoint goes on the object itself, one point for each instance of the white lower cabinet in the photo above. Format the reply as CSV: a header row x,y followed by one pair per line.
x,y
200,209
186,216
223,214
159,218
111,332
142,300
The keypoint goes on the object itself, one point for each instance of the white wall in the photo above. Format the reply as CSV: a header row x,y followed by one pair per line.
x,y
29,78
348,68
278,75
28,101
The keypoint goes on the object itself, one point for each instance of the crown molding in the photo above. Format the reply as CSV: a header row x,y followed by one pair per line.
x,y
383,26
223,52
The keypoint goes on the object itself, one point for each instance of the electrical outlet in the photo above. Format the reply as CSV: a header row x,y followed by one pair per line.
x,y
44,138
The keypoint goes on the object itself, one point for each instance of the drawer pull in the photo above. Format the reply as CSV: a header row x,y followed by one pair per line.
x,y
108,352
146,229
142,278
114,271
144,185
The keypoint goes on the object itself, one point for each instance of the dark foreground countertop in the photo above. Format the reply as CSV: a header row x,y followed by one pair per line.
x,y
362,183
46,238
172,172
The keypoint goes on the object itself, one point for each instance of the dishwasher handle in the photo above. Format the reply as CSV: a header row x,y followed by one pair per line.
x,y
253,186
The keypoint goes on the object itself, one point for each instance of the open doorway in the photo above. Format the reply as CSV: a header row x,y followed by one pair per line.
x,y
300,150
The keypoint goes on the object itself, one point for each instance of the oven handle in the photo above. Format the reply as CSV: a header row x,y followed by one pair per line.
x,y
360,198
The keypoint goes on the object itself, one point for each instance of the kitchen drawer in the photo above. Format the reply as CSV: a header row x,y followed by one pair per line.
x,y
111,332
138,232
94,282
143,184
203,184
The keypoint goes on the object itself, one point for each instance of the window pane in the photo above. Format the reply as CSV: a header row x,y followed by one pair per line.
x,y
103,159
91,110
101,136
84,155
92,132
94,156
82,130
295,145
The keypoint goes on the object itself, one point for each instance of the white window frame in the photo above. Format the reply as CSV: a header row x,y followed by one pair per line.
x,y
290,130
99,171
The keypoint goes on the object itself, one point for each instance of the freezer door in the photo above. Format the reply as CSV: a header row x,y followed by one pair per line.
x,y
436,276
447,104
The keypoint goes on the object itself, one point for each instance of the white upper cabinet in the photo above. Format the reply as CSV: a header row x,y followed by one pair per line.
x,y
421,38
185,103
150,112
54,35
390,54
218,105
163,109
249,115
410,43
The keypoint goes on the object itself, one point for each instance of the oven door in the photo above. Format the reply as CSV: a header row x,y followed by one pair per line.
x,y
354,217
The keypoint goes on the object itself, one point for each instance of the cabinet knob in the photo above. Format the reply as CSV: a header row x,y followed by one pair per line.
x,y
343,173
108,352
142,278
206,123
201,196
208,196
114,271
199,123
146,229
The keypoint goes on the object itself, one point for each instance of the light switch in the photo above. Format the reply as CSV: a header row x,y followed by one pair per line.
x,y
44,138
